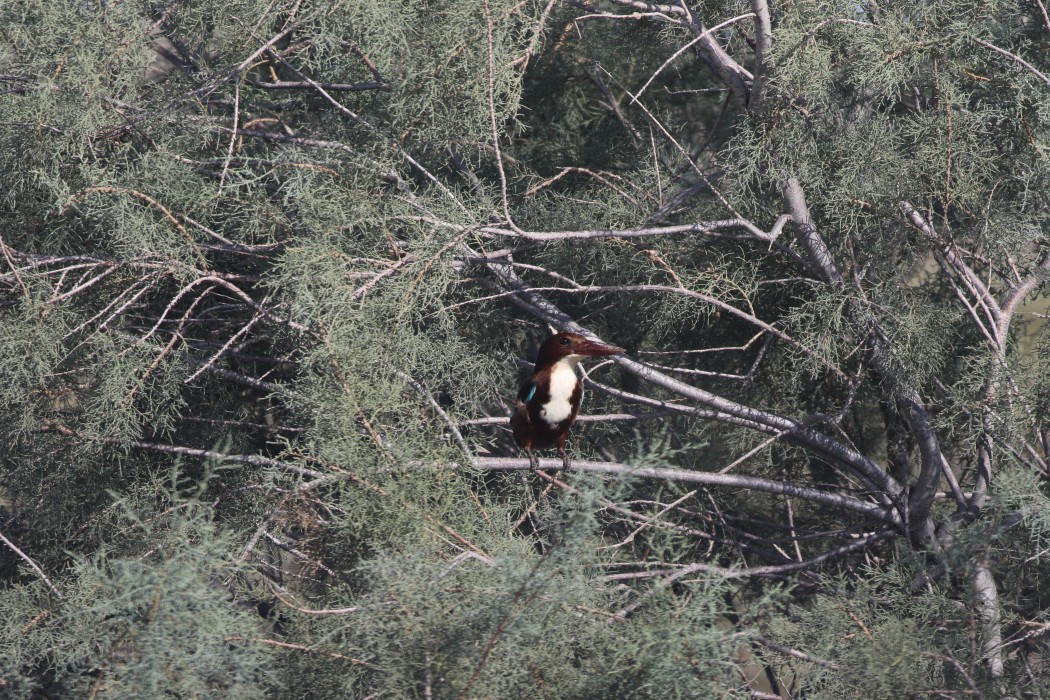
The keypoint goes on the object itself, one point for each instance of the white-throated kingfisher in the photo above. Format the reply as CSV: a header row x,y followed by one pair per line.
x,y
549,399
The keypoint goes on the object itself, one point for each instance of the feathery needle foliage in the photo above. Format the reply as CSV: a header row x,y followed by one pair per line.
x,y
271,271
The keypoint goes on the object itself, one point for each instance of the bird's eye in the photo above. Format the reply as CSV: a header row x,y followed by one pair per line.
x,y
564,341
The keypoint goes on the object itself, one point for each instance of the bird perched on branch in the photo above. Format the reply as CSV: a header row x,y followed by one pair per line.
x,y
550,398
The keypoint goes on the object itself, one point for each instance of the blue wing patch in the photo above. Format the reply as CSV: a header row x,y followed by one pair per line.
x,y
527,391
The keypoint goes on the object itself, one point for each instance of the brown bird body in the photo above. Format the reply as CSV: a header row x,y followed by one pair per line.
x,y
549,400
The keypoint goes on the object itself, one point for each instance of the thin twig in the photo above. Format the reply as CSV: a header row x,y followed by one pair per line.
x,y
300,647
300,85
858,544
233,136
32,564
456,435
253,460
226,346
148,200
759,639
490,93
1013,57
11,264
752,453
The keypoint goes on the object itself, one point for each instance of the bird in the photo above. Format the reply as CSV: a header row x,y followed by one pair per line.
x,y
549,399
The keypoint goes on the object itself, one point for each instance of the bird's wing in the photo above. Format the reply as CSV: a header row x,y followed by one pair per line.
x,y
520,421
527,391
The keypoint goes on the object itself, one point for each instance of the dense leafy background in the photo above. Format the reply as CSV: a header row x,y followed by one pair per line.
x,y
273,270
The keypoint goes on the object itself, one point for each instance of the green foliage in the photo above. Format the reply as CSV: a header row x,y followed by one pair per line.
x,y
258,338
541,631
884,652
129,622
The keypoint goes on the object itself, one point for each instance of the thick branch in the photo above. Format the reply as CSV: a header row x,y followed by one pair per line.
x,y
763,45
988,609
918,419
735,77
820,257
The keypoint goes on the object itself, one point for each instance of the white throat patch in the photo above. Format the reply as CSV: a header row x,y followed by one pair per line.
x,y
563,383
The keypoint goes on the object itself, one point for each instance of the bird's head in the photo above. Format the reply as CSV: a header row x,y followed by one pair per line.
x,y
573,346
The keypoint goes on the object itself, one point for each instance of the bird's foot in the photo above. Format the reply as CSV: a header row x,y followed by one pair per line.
x,y
564,458
534,461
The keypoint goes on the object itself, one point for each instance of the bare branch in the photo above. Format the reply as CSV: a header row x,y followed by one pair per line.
x,y
735,77
706,298
988,609
709,227
490,92
706,34
456,435
32,564
11,264
165,212
594,418
233,136
139,287
1042,11
858,544
755,483
301,85
262,49
788,651
969,278
751,453
253,460
650,7
820,257
110,269
284,138
1014,57
763,45
300,647
1017,295
614,104
222,351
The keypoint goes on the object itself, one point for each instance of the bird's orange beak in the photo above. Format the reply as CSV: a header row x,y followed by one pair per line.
x,y
593,347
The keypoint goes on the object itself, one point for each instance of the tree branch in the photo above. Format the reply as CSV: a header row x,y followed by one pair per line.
x,y
763,45
755,483
721,63
988,609
32,564
1015,58
820,258
706,34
